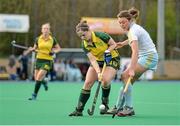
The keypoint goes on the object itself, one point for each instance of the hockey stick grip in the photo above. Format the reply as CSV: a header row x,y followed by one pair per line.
x,y
127,84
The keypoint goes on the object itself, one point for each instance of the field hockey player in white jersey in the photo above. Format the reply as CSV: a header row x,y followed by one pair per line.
x,y
144,57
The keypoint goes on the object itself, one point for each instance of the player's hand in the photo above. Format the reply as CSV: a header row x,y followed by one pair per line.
x,y
52,53
119,45
131,73
31,49
107,56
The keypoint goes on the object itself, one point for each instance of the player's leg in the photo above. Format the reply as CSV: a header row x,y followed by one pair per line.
x,y
37,86
139,70
147,62
121,99
91,77
108,76
39,75
48,69
127,108
45,82
41,69
144,63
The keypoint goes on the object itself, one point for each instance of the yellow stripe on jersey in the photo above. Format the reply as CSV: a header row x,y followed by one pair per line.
x,y
44,45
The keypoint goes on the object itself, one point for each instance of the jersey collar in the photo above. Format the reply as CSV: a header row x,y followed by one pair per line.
x,y
49,37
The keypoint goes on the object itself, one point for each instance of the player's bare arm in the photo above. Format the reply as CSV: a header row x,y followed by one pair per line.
x,y
134,57
112,44
121,44
56,48
94,63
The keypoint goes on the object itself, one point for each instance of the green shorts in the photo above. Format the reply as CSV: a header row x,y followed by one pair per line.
x,y
115,63
43,64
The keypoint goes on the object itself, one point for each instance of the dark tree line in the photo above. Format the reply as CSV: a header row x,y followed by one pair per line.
x,y
63,16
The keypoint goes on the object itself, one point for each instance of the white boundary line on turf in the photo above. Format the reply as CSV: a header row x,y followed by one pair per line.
x,y
88,125
158,103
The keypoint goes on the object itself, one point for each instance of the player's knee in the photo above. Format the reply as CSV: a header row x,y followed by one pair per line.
x,y
39,78
87,85
123,77
105,82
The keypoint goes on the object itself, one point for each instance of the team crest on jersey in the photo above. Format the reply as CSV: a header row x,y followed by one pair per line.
x,y
46,67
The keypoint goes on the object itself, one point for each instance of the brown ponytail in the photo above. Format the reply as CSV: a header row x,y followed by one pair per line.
x,y
134,12
129,14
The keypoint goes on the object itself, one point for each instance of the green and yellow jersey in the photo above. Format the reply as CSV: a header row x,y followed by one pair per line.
x,y
99,45
45,45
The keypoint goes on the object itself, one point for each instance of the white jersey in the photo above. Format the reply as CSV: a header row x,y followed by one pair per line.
x,y
145,43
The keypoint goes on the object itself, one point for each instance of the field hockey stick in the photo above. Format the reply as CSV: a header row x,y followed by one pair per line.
x,y
122,97
13,43
25,47
91,111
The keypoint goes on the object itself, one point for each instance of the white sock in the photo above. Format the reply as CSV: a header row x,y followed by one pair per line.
x,y
118,103
128,96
